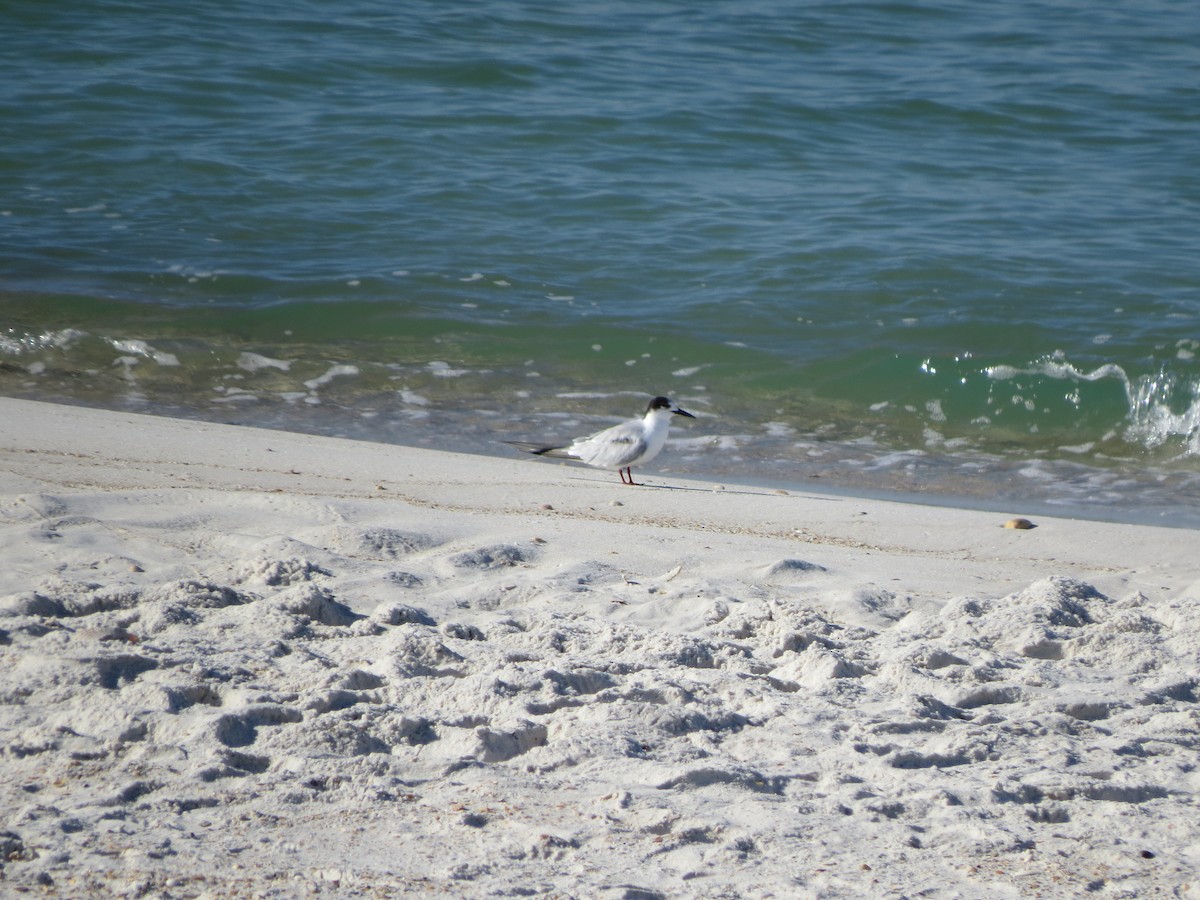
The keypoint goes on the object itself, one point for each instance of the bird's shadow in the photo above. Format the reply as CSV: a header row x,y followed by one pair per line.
x,y
696,489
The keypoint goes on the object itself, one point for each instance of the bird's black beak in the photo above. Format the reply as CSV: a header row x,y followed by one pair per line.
x,y
682,412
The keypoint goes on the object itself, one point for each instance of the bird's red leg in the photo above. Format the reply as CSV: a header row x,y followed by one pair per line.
x,y
627,471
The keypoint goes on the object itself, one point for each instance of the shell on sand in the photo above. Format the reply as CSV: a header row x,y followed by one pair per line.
x,y
1019,524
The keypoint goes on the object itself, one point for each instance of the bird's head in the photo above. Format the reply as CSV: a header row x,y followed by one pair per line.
x,y
664,404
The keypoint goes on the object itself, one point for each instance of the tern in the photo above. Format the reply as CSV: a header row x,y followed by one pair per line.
x,y
621,447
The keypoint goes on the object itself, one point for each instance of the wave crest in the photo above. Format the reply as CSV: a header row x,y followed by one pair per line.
x,y
1162,407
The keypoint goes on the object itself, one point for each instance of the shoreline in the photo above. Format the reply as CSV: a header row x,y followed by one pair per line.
x,y
841,485
116,450
236,660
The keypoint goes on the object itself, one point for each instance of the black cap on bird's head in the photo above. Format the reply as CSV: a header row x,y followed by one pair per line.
x,y
665,403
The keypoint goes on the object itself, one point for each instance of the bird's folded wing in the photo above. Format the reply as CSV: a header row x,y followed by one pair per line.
x,y
543,450
609,451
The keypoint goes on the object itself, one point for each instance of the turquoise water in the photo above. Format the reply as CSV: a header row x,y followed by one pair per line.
x,y
939,248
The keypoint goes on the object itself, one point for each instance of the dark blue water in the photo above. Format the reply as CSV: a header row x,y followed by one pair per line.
x,y
937,248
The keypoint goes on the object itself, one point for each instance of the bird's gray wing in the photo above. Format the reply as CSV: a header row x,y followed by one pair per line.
x,y
543,450
613,448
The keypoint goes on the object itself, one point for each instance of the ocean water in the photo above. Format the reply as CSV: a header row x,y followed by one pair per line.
x,y
944,249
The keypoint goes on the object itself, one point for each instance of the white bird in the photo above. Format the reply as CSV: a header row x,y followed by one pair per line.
x,y
621,447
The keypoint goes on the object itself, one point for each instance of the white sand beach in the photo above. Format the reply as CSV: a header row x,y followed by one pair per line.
x,y
247,663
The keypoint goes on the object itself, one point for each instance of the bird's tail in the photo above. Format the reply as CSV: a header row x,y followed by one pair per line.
x,y
542,450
